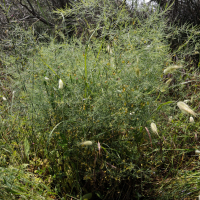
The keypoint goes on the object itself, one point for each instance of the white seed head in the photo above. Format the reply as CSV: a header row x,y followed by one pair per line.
x,y
46,78
171,69
191,120
185,108
154,128
197,151
132,113
86,143
170,118
187,100
60,84
148,46
4,98
109,50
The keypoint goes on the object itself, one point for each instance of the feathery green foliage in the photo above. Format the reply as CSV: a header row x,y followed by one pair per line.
x,y
92,136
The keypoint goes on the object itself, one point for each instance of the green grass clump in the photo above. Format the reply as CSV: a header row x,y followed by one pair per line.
x,y
17,183
107,98
92,134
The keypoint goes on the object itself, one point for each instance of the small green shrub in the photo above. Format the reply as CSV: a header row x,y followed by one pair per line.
x,y
80,111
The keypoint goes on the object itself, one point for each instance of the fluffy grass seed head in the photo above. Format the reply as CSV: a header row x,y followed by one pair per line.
x,y
86,143
154,128
171,69
60,84
191,120
187,100
170,118
197,151
185,108
4,98
109,50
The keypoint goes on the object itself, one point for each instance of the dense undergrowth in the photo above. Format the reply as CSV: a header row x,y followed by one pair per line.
x,y
76,114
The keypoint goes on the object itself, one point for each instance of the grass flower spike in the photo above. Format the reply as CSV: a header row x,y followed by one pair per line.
x,y
191,120
197,151
170,118
60,84
4,98
154,128
185,108
86,143
109,50
186,101
171,69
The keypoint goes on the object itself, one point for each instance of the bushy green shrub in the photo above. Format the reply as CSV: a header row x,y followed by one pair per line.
x,y
107,98
82,109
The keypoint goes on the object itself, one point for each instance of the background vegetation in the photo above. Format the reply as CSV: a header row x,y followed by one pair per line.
x,y
83,85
